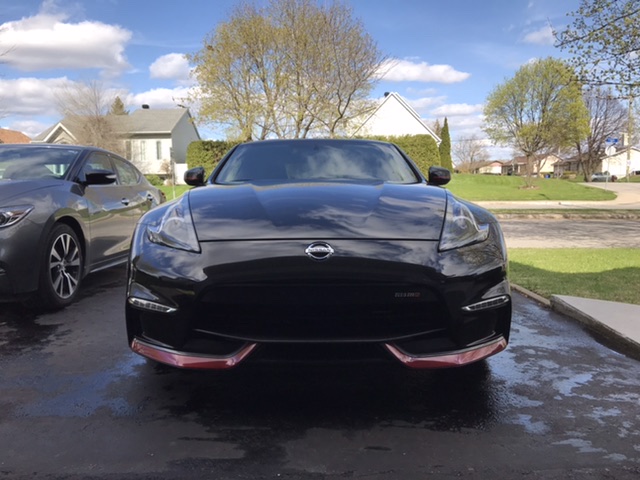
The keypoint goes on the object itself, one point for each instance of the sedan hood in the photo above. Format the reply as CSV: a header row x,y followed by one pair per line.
x,y
10,189
318,211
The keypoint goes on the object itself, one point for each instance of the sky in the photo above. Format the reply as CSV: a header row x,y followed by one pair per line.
x,y
448,55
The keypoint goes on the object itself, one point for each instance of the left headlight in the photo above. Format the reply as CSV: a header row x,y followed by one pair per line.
x,y
12,215
460,227
176,229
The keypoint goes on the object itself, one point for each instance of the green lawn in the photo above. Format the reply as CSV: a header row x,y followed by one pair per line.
x,y
604,274
510,188
174,192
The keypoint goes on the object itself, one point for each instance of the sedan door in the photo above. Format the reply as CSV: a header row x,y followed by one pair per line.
x,y
112,210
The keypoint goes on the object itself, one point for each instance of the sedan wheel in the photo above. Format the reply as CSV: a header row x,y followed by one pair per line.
x,y
62,268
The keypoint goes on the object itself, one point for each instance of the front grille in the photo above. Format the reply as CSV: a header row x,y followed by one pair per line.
x,y
319,313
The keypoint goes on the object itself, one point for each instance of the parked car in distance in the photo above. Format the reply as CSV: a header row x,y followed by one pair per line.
x,y
317,250
601,177
65,211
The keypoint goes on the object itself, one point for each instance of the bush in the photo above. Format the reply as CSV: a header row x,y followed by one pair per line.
x,y
207,153
422,149
155,180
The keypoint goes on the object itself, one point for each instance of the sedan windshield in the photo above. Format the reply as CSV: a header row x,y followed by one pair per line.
x,y
20,163
307,160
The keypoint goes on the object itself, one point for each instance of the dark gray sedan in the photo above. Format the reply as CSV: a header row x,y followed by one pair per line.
x,y
65,211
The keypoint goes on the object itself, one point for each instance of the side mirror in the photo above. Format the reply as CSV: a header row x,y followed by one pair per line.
x,y
194,177
100,177
439,176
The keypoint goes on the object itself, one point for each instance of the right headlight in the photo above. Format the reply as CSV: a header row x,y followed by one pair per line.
x,y
176,229
460,227
12,215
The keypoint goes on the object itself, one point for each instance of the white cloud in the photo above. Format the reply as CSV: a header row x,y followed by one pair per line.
x,y
30,96
407,71
48,41
159,98
173,66
422,105
457,109
543,36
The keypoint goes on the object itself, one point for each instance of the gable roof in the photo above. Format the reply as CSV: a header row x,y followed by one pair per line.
x,y
13,136
142,121
389,99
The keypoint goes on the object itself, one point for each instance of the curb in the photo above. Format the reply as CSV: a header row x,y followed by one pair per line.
x,y
622,342
531,295
601,328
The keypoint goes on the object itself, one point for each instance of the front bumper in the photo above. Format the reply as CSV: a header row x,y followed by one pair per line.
x,y
223,362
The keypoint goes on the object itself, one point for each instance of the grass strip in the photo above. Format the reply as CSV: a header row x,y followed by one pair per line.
x,y
603,274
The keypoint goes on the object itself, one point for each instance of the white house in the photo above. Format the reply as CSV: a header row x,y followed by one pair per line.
x,y
394,117
618,164
155,140
490,168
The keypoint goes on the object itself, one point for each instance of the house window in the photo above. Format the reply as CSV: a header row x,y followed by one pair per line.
x,y
143,150
159,150
127,147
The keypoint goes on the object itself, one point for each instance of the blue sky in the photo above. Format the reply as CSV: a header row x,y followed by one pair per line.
x,y
448,55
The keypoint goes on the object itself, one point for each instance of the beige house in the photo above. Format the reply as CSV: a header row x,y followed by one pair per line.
x,y
155,140
518,166
394,117
13,136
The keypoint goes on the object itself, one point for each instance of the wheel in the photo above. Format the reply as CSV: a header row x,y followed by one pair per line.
x,y
61,271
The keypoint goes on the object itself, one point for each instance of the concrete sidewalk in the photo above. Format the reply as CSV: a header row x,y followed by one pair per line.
x,y
619,322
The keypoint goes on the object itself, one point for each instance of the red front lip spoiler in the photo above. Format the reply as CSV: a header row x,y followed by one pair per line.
x,y
452,359
209,362
185,360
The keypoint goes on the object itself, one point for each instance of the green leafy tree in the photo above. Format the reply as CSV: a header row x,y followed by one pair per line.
x,y
603,41
290,69
445,146
117,107
537,112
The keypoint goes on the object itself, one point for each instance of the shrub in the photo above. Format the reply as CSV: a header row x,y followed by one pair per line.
x,y
155,180
207,153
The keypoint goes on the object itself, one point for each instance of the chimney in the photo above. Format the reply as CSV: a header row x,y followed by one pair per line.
x,y
145,106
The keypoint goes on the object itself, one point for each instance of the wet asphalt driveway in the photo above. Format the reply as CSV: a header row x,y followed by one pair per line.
x,y
76,403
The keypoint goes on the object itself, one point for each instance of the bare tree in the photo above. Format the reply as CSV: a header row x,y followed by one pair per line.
x,y
291,69
607,118
469,153
85,107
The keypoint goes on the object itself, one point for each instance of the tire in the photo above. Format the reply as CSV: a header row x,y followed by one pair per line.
x,y
62,268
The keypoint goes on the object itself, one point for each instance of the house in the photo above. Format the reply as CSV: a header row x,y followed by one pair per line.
x,y
155,140
490,168
518,166
394,117
569,166
13,136
621,163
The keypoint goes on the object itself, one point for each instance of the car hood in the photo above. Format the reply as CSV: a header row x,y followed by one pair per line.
x,y
318,211
10,189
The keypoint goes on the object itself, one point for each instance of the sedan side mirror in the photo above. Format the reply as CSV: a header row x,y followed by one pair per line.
x,y
439,176
100,177
194,177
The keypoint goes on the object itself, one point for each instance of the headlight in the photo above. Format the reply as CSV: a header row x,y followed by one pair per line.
x,y
176,229
460,227
12,215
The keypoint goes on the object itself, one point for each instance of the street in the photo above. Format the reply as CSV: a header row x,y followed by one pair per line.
x,y
76,403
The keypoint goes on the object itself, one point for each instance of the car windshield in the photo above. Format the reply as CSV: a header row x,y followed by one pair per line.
x,y
307,160
29,163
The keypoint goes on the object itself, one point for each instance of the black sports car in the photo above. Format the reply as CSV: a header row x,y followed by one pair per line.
x,y
65,211
317,250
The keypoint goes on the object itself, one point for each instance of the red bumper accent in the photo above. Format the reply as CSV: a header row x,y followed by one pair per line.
x,y
453,359
185,360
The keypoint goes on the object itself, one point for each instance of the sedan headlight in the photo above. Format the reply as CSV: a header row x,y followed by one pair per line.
x,y
12,215
460,227
176,229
